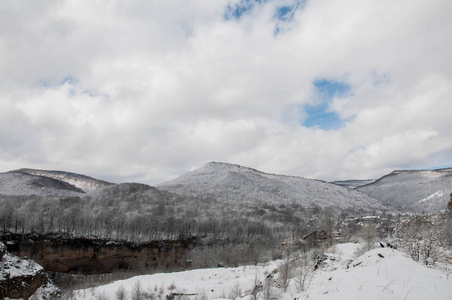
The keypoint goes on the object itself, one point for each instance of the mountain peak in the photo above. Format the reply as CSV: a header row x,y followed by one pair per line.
x,y
234,183
222,166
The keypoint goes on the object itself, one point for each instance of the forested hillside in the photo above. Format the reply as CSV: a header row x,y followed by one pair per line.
x,y
219,202
414,191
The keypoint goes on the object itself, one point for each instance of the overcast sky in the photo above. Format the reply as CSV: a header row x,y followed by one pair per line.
x,y
145,91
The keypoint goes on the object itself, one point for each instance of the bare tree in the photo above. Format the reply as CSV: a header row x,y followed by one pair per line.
x,y
236,291
327,224
284,273
257,288
285,267
268,291
137,292
368,233
120,293
449,206
304,272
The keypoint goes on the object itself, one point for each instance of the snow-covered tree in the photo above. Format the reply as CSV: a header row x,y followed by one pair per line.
x,y
420,238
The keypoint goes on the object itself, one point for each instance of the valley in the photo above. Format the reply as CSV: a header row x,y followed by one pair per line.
x,y
218,215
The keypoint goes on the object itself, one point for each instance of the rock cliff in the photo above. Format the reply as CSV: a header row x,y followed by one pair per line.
x,y
87,256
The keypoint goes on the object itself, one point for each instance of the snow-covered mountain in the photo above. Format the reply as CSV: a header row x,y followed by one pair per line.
x,y
415,191
82,182
20,183
25,182
231,183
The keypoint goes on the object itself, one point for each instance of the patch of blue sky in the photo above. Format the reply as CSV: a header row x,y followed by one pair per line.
x,y
282,16
72,84
328,89
320,115
439,167
241,8
75,88
285,14
68,80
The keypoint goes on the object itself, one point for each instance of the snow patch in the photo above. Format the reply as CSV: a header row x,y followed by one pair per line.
x,y
436,195
12,266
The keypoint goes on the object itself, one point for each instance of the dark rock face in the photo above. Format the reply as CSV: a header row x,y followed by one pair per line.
x,y
85,256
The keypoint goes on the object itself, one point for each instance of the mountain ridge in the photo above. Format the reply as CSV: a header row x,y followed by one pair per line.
x,y
83,182
239,183
413,190
21,183
235,183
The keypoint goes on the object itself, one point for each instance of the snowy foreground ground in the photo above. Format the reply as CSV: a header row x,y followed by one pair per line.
x,y
381,273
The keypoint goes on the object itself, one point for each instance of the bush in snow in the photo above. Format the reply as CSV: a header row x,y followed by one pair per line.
x,y
419,238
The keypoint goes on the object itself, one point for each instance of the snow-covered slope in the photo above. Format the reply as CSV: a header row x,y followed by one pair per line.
x,y
234,183
20,183
82,182
416,191
382,273
40,182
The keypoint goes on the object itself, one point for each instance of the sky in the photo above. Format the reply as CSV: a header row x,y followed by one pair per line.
x,y
144,91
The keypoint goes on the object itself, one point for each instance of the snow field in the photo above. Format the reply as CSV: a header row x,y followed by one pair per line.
x,y
204,283
381,273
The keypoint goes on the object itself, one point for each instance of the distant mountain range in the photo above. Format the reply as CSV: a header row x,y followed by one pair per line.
x,y
414,191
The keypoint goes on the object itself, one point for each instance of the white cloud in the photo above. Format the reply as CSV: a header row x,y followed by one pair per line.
x,y
160,88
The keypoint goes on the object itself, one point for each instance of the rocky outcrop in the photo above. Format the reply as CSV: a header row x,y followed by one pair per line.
x,y
87,256
22,278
